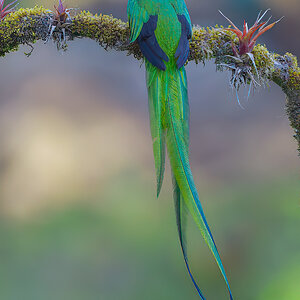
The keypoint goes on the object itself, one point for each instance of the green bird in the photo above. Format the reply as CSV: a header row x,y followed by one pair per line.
x,y
162,29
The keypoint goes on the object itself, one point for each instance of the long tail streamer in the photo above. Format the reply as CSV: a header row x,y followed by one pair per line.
x,y
169,119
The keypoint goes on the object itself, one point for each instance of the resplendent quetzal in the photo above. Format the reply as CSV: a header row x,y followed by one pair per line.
x,y
162,29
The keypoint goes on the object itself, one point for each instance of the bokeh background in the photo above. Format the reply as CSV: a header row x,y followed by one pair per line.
x,y
78,214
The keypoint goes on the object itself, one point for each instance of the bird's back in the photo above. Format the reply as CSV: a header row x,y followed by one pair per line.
x,y
168,31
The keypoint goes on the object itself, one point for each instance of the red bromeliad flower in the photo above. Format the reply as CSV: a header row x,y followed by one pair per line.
x,y
246,39
7,9
61,12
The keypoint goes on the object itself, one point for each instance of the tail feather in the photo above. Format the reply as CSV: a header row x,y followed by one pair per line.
x,y
179,211
180,207
155,91
178,155
169,119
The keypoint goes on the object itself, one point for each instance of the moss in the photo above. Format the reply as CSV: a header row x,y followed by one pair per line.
x,y
293,83
292,59
264,62
287,73
22,27
210,42
199,48
108,31
26,26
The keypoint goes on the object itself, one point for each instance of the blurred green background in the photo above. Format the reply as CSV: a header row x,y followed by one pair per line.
x,y
78,214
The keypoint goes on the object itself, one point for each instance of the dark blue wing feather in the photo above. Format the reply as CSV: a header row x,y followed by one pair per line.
x,y
152,57
183,48
149,45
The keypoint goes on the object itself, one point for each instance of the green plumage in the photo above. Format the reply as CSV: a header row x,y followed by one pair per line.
x,y
169,111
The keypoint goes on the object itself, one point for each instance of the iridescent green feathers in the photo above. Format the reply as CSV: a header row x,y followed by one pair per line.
x,y
162,29
178,155
137,16
156,90
139,11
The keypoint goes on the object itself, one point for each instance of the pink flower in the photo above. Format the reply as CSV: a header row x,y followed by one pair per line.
x,y
7,9
246,39
61,13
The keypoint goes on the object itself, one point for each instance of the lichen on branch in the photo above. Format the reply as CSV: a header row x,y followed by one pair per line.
x,y
26,26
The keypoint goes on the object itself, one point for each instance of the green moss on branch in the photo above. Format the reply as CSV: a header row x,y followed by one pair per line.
x,y
26,26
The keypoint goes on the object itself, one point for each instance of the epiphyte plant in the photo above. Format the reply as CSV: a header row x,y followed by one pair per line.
x,y
7,9
61,12
247,40
59,22
242,71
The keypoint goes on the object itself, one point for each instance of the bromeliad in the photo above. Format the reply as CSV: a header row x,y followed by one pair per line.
x,y
243,58
247,40
162,29
61,12
60,21
7,9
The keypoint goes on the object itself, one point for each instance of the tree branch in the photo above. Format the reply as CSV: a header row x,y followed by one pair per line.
x,y
26,26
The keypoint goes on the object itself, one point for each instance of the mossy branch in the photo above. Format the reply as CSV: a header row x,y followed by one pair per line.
x,y
26,26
